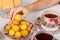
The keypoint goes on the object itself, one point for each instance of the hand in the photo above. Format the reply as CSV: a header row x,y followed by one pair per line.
x,y
24,10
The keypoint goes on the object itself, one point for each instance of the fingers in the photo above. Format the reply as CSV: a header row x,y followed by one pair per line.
x,y
11,14
25,13
19,10
16,12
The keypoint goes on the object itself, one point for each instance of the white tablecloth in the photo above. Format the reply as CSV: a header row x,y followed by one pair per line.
x,y
32,16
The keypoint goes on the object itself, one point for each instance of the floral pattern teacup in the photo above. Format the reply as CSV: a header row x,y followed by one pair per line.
x,y
50,19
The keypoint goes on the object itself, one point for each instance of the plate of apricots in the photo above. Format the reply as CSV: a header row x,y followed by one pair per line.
x,y
18,28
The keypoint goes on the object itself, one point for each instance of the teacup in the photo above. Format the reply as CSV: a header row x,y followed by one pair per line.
x,y
50,19
43,35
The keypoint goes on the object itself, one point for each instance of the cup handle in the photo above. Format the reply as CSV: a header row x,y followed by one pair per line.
x,y
59,19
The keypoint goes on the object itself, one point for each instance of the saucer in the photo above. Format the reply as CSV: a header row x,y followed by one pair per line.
x,y
40,26
49,29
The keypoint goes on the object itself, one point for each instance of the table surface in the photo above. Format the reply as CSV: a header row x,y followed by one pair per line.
x,y
32,16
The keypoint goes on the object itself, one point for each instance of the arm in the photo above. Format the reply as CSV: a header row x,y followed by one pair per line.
x,y
41,4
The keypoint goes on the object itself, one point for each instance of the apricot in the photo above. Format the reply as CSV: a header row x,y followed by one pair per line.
x,y
29,28
24,22
18,17
12,25
18,34
15,22
11,32
15,28
23,27
8,27
24,33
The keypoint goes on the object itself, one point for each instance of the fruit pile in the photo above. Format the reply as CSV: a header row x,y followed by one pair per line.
x,y
18,28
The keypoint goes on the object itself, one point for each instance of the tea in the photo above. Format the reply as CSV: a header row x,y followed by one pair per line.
x,y
51,15
44,36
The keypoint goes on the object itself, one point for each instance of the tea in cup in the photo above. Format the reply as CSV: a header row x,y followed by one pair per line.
x,y
43,35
